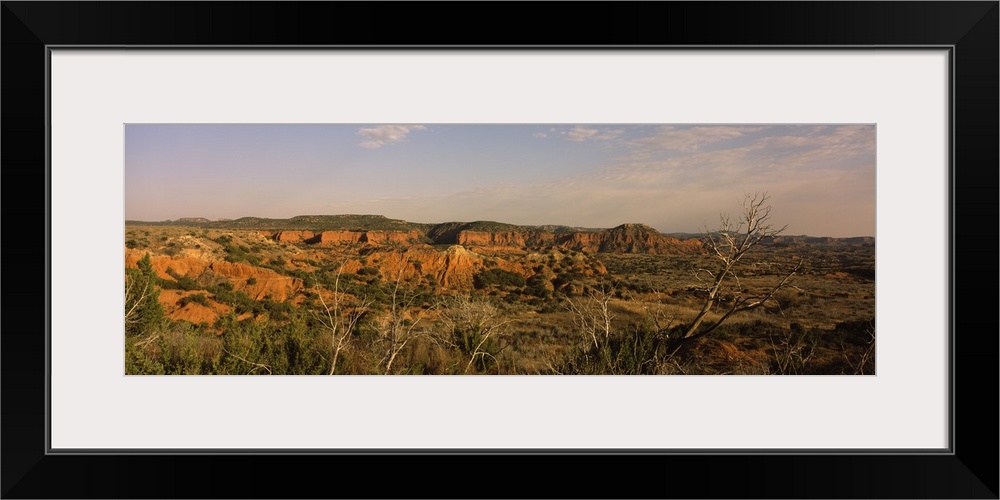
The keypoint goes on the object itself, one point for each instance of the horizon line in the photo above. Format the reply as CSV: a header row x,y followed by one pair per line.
x,y
225,219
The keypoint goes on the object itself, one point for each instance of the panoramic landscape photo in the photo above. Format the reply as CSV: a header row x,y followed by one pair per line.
x,y
475,249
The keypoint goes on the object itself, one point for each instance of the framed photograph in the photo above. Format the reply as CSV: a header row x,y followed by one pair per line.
x,y
311,207
477,280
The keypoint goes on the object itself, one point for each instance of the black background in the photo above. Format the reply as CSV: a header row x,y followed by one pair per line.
x,y
971,472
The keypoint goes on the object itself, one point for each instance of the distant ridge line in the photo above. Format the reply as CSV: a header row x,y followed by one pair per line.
x,y
447,230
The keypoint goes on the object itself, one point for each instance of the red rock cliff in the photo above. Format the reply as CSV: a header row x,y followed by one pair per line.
x,y
490,239
334,238
292,236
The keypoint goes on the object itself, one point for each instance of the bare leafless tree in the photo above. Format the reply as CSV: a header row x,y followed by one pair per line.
x,y
341,318
142,309
792,350
137,289
256,366
476,323
730,243
866,361
592,313
395,328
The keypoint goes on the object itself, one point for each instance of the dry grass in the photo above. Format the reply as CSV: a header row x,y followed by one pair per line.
x,y
652,293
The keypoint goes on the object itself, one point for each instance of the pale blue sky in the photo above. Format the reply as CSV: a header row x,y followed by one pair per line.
x,y
676,178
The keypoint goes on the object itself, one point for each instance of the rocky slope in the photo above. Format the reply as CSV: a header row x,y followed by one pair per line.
x,y
630,238
256,282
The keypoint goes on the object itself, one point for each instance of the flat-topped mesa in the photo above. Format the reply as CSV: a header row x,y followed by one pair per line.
x,y
504,238
335,238
386,237
490,239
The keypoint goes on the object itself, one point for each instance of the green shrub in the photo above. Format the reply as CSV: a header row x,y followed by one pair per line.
x,y
309,280
540,287
197,298
181,283
239,253
485,278
143,311
368,271
277,310
239,301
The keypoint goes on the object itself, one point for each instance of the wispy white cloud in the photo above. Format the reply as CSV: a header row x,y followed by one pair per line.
x,y
689,139
376,137
673,196
808,170
580,134
677,178
682,180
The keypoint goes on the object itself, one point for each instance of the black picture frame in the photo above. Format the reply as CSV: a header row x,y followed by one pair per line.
x,y
970,29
